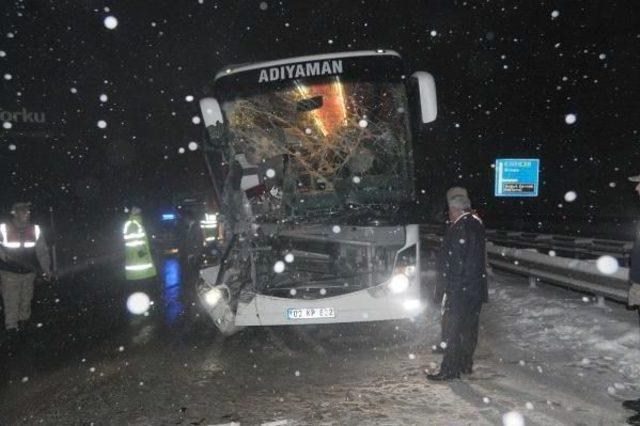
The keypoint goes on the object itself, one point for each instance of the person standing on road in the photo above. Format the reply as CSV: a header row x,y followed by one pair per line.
x,y
634,300
23,255
441,281
138,260
465,285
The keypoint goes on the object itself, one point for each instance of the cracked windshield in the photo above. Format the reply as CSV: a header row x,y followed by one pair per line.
x,y
326,144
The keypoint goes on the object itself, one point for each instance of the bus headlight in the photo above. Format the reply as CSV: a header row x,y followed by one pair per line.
x,y
399,283
213,296
410,270
412,305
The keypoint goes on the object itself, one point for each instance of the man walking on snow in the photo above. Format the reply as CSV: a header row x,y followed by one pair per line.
x,y
465,285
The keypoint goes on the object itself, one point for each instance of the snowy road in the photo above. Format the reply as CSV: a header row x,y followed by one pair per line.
x,y
545,352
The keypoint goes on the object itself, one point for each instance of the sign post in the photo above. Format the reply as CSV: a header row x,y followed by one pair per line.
x,y
517,177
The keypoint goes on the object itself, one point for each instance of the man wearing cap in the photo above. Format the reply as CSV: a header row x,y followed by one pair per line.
x,y
23,254
634,299
464,285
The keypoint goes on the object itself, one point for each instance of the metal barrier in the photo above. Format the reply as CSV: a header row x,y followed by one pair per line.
x,y
580,275
520,253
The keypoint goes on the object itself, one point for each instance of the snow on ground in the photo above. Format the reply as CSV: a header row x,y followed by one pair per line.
x,y
552,324
543,353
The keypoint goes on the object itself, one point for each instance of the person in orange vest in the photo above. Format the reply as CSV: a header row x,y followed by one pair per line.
x,y
23,255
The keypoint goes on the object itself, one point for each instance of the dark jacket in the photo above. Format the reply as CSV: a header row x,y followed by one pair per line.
x,y
464,261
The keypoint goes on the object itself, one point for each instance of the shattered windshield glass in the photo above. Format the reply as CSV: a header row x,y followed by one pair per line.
x,y
327,144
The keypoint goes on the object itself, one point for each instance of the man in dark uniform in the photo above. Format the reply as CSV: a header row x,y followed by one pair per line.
x,y
634,300
465,285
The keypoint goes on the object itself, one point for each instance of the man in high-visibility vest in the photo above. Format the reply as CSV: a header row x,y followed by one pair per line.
x,y
138,260
23,255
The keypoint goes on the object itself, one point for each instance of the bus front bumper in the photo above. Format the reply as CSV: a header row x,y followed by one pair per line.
x,y
359,306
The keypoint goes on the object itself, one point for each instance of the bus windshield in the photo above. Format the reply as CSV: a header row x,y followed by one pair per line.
x,y
326,143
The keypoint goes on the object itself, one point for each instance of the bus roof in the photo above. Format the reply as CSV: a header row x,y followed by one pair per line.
x,y
234,69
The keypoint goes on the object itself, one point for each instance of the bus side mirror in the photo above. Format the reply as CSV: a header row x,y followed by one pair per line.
x,y
428,99
213,119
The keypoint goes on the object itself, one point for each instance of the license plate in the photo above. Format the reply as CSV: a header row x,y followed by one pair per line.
x,y
310,313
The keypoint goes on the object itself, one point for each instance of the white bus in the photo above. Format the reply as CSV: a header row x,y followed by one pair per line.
x,y
311,159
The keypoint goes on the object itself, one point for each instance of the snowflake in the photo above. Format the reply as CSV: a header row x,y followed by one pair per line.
x,y
278,267
570,118
110,22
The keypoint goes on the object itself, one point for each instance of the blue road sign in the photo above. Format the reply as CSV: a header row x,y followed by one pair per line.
x,y
517,177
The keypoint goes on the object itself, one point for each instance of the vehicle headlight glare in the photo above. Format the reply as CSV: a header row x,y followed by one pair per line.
x,y
399,283
412,305
410,270
213,296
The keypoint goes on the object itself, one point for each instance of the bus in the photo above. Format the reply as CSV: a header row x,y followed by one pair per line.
x,y
312,161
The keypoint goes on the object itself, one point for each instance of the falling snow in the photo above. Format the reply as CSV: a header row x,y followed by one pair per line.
x,y
513,418
607,265
110,22
138,303
570,118
278,267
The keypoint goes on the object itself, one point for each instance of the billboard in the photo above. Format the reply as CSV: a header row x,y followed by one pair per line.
x,y
517,177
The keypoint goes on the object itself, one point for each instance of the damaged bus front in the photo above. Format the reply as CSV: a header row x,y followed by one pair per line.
x,y
311,158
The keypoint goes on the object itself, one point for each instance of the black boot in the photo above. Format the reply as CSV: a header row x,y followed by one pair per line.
x,y
443,376
632,404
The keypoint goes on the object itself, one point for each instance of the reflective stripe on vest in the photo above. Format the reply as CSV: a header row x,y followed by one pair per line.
x,y
135,243
132,235
141,267
10,236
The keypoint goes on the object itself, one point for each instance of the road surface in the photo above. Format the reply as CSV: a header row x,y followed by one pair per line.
x,y
551,355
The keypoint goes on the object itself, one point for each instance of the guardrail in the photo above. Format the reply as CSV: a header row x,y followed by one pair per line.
x,y
565,245
520,253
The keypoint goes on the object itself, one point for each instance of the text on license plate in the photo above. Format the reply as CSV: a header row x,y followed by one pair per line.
x,y
308,313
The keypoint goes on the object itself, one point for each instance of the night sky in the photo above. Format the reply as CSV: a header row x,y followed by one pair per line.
x,y
507,73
